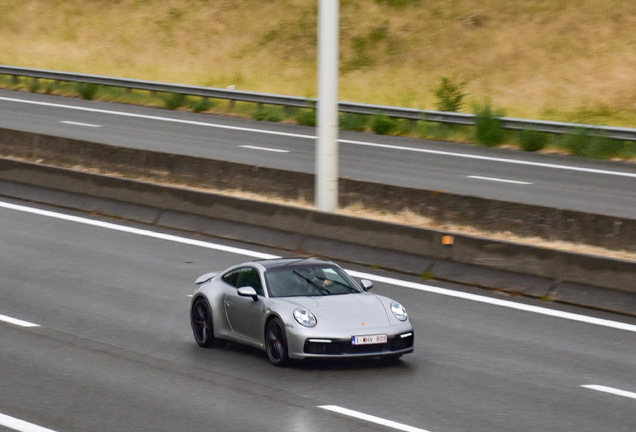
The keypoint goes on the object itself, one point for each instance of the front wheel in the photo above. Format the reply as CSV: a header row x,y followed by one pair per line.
x,y
201,320
276,342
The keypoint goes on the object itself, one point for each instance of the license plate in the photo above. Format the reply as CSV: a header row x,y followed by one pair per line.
x,y
369,339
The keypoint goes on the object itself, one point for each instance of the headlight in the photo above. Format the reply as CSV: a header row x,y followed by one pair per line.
x,y
399,311
305,318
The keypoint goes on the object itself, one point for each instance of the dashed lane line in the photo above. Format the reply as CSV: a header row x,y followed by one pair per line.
x,y
371,419
610,390
21,425
17,322
313,137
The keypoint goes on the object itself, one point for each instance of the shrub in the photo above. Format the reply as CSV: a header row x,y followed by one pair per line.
x,y
353,122
532,140
87,91
269,113
434,130
398,4
306,117
404,127
629,150
174,100
450,94
488,130
200,105
382,125
50,87
576,142
34,85
604,148
422,127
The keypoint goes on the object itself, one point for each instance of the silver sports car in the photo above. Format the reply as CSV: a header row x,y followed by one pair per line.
x,y
296,309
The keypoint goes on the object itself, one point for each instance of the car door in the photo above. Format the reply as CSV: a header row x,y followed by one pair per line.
x,y
244,314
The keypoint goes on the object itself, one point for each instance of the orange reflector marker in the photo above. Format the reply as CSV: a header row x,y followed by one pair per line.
x,y
447,240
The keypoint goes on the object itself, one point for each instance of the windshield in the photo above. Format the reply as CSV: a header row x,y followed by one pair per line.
x,y
309,280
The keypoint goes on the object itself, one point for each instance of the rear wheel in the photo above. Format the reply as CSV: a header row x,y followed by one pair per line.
x,y
276,342
201,319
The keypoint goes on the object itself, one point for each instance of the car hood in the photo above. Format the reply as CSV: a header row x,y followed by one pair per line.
x,y
346,311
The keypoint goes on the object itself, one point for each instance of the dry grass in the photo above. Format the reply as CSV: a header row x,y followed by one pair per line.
x,y
548,59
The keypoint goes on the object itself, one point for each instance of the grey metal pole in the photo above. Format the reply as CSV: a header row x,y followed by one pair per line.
x,y
327,142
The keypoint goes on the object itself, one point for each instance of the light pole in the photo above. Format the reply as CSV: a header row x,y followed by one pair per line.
x,y
327,142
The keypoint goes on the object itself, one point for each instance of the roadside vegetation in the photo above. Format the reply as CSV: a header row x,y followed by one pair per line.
x,y
539,59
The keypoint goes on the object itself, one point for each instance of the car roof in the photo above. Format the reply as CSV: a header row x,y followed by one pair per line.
x,y
282,262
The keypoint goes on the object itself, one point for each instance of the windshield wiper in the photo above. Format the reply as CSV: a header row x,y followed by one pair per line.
x,y
321,289
338,283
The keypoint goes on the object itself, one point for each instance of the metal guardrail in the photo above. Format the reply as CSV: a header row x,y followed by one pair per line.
x,y
618,133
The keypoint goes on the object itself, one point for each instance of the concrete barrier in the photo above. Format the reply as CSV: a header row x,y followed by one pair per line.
x,y
444,208
552,264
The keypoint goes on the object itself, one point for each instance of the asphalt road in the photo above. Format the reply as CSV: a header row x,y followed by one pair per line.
x,y
113,349
548,180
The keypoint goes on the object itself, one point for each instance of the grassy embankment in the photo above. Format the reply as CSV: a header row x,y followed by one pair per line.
x,y
541,59
544,59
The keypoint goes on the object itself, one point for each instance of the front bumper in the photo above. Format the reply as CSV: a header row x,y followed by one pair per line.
x,y
303,344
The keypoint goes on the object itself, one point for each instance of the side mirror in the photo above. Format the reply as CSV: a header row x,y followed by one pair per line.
x,y
366,284
248,291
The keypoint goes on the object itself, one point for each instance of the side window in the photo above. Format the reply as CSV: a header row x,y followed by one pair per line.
x,y
249,276
246,276
231,278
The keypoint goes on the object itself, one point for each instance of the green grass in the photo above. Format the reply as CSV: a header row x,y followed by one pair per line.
x,y
269,113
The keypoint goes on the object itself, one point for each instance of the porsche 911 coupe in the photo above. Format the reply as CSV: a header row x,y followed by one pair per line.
x,y
296,309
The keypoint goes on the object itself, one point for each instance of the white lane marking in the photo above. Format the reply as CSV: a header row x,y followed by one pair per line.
x,y
265,149
497,302
610,390
361,275
312,137
136,231
17,322
370,418
493,159
499,180
80,124
21,425
149,117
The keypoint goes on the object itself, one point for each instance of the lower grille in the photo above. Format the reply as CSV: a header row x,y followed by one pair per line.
x,y
340,347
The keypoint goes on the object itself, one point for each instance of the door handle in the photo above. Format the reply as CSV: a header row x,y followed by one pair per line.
x,y
227,303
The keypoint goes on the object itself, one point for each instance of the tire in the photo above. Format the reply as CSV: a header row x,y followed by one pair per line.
x,y
201,321
276,342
